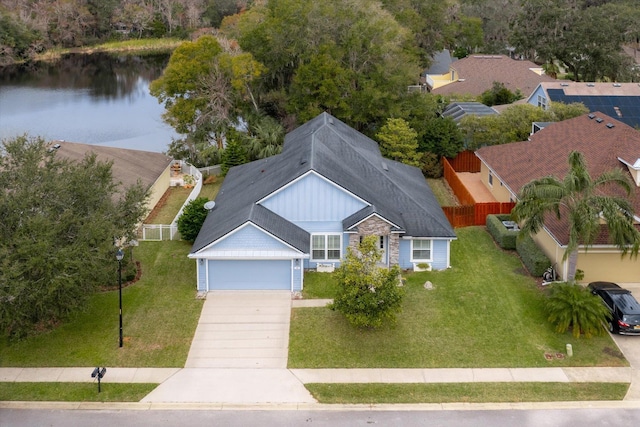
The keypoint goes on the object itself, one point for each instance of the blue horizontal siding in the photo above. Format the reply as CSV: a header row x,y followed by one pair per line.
x,y
250,237
439,250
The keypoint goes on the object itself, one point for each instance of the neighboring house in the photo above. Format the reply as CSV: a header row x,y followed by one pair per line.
x,y
302,208
606,144
438,73
458,110
619,100
129,166
476,74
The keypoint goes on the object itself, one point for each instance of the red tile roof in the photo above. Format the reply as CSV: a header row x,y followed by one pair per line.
x,y
547,151
477,73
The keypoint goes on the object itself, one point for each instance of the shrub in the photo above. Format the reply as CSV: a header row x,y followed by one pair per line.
x,y
532,256
571,306
431,165
192,218
368,295
504,237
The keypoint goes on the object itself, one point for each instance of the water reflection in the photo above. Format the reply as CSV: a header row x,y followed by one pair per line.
x,y
95,99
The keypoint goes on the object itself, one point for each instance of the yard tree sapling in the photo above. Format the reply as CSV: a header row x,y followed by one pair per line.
x,y
192,218
368,295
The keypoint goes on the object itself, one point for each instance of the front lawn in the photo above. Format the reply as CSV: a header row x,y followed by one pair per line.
x,y
484,312
74,392
160,315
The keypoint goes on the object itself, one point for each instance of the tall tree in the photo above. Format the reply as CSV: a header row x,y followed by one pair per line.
x,y
583,202
399,142
60,220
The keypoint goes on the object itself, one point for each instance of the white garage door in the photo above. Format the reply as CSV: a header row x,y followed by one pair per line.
x,y
250,275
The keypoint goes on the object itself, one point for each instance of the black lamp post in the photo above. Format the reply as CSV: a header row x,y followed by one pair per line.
x,y
119,256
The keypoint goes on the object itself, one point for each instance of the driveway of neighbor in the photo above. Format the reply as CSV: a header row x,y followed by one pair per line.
x,y
238,354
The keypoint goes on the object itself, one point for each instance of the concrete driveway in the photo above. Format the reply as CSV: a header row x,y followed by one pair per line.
x,y
630,347
242,329
238,354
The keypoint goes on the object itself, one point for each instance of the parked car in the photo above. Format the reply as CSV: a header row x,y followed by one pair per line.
x,y
625,310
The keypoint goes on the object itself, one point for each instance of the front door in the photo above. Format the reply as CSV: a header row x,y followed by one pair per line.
x,y
383,243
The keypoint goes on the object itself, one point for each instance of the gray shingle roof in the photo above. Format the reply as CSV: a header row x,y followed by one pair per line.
x,y
458,110
342,155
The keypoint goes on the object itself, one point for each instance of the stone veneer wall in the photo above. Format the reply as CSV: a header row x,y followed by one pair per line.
x,y
377,227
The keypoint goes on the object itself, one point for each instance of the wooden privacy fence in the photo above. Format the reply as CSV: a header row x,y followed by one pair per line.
x,y
470,213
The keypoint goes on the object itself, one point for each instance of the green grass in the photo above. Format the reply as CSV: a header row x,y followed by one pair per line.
x,y
74,392
160,314
443,193
210,191
124,46
465,392
484,312
166,211
319,285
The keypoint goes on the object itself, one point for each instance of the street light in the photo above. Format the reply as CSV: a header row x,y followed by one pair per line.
x,y
119,256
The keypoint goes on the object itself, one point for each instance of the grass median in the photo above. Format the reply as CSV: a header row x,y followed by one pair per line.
x,y
465,392
74,392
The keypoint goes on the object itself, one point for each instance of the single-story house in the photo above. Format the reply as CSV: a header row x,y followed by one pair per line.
x,y
302,208
476,74
619,100
129,166
606,143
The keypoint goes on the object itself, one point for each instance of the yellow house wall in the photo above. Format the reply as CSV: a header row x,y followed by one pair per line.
x,y
552,251
159,188
440,80
498,190
609,266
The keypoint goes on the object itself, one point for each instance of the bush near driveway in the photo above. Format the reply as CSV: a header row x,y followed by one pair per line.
x,y
486,311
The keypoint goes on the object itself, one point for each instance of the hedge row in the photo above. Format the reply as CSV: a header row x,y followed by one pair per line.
x,y
505,238
532,256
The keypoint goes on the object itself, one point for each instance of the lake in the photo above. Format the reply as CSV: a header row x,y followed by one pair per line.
x,y
96,99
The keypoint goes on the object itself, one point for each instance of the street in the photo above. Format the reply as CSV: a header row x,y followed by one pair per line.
x,y
620,416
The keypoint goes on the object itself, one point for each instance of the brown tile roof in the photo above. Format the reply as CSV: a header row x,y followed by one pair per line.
x,y
547,151
128,165
480,71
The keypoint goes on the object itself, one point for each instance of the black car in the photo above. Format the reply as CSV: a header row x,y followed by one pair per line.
x,y
625,310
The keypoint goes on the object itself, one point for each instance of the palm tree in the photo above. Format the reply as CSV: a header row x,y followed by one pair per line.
x,y
583,202
573,307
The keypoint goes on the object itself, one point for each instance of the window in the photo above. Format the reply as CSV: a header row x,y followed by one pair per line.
x,y
421,250
490,179
542,102
325,247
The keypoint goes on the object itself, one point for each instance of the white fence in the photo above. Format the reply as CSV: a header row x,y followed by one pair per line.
x,y
170,231
158,232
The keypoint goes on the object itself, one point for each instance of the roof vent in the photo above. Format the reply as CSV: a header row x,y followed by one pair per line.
x,y
618,112
617,85
599,120
591,84
610,125
385,167
591,116
564,84
330,120
210,205
56,146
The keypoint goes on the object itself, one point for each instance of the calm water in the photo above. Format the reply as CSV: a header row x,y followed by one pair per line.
x,y
94,99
